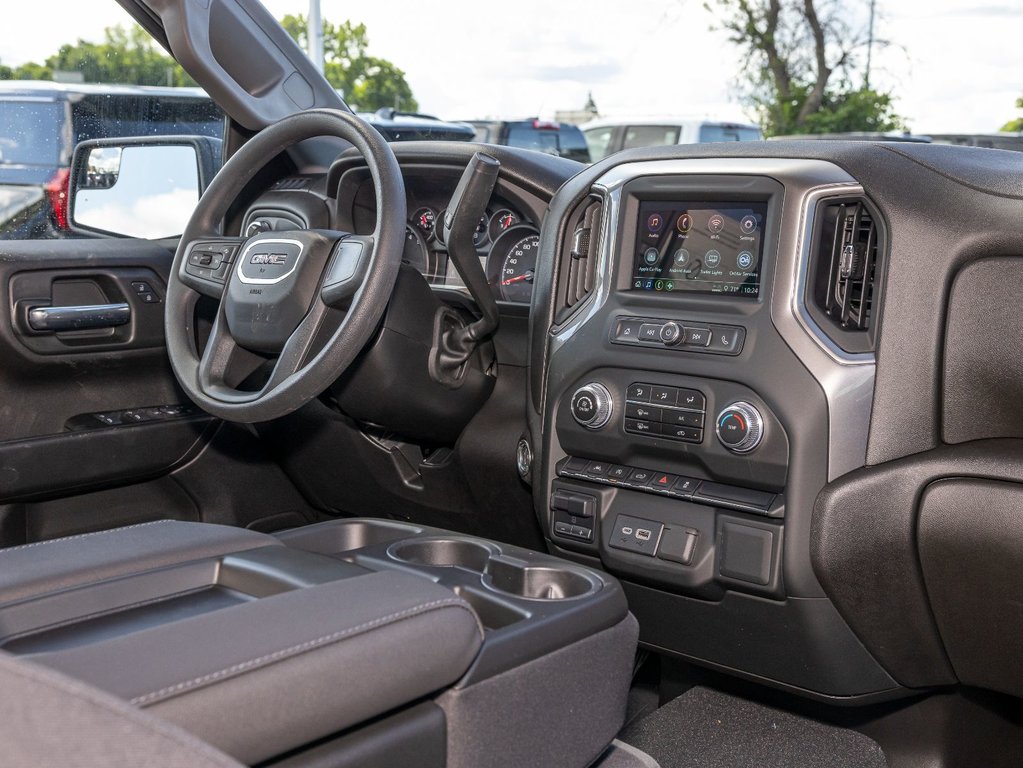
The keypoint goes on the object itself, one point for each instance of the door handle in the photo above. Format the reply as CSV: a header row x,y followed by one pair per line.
x,y
78,318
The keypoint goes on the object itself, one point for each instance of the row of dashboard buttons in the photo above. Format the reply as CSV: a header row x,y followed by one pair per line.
x,y
673,334
670,397
667,484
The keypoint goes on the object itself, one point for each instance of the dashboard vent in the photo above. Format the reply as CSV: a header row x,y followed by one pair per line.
x,y
845,269
579,269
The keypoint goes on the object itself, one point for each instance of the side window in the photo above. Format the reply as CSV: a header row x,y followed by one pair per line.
x,y
650,136
599,140
119,85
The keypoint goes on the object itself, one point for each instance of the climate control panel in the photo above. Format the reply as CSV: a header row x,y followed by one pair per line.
x,y
673,413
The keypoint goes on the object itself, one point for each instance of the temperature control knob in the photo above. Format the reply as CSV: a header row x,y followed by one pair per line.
x,y
592,405
740,427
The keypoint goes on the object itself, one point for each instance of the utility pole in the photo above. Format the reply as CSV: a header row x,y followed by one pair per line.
x,y
315,36
870,46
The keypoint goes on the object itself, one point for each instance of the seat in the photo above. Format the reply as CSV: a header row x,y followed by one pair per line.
x,y
261,647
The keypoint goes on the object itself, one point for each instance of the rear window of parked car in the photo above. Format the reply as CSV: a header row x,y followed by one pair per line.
x,y
564,142
650,136
728,133
31,132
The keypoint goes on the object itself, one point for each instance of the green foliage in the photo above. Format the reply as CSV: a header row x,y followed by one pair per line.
x,y
801,58
126,55
842,110
366,82
1015,125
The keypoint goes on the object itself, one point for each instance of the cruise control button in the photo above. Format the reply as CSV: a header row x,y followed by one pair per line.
x,y
642,427
643,411
638,392
696,337
663,395
650,332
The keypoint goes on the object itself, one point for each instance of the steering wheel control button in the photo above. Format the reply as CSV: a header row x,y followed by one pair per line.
x,y
592,405
634,534
671,333
740,427
663,333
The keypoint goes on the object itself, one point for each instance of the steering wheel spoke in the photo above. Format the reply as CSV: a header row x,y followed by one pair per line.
x,y
299,346
347,270
207,264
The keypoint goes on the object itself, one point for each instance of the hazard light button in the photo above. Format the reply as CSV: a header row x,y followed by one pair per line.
x,y
662,481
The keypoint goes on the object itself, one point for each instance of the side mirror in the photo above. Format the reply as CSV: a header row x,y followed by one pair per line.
x,y
139,187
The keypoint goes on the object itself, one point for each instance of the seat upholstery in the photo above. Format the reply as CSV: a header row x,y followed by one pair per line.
x,y
48,566
48,719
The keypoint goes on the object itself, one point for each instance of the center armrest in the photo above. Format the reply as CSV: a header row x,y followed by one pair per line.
x,y
265,676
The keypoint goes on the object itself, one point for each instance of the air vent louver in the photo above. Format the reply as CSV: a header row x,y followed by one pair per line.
x,y
581,257
844,273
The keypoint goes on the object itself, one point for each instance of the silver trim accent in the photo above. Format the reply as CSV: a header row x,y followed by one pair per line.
x,y
847,380
807,216
754,428
603,405
268,280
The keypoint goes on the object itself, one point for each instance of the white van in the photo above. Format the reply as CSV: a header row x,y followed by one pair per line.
x,y
605,136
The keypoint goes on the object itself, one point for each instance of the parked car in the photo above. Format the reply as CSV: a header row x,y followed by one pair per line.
x,y
414,126
605,136
998,140
560,139
41,122
898,136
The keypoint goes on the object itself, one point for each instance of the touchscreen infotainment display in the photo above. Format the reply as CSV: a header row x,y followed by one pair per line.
x,y
699,247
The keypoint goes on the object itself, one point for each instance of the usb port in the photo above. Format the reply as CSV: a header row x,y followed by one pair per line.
x,y
643,534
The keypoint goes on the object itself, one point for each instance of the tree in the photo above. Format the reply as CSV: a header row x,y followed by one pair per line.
x,y
367,82
801,59
125,56
1017,124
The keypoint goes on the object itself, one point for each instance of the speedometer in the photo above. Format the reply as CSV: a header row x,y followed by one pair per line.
x,y
518,264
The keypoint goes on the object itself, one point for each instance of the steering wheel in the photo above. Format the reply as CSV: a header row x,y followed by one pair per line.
x,y
280,292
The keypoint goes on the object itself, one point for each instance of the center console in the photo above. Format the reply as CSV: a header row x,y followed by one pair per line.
x,y
687,420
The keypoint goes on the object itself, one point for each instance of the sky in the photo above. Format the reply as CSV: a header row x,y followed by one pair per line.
x,y
953,65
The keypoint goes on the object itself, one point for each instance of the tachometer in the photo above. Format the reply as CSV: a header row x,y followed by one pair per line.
x,y
515,251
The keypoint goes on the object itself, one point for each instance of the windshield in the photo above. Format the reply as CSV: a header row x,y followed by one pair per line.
x,y
21,141
646,73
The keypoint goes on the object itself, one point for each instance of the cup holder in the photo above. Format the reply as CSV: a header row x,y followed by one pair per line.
x,y
499,573
536,582
442,552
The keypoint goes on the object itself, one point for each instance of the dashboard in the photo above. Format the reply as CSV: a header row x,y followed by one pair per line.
x,y
706,384
507,238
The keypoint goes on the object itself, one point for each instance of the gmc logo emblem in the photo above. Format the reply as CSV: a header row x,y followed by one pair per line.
x,y
273,259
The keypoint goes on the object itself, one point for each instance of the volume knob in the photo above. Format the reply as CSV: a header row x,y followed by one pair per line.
x,y
592,405
740,427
